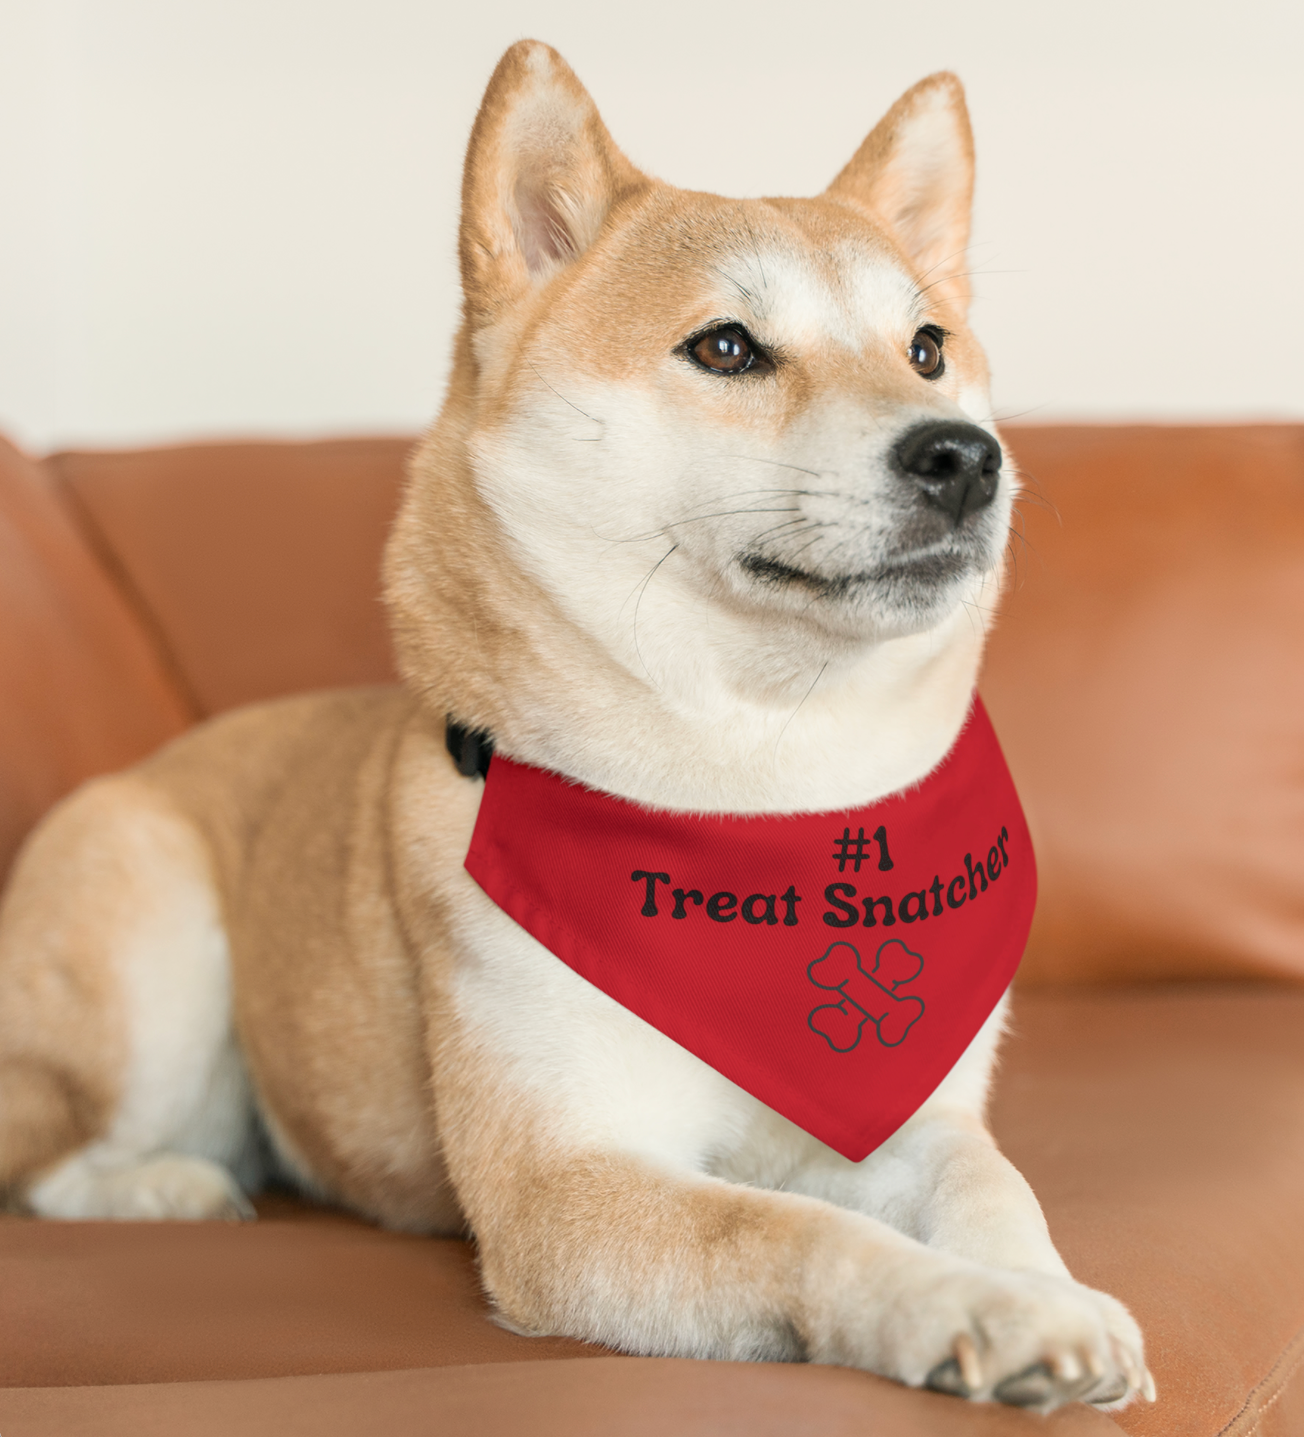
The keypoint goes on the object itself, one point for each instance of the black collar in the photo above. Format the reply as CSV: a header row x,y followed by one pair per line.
x,y
471,748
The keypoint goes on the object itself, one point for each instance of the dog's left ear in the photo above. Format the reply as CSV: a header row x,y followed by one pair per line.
x,y
915,172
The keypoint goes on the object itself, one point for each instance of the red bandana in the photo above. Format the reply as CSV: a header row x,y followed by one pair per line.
x,y
835,965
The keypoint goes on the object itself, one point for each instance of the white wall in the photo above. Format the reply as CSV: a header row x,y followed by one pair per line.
x,y
237,216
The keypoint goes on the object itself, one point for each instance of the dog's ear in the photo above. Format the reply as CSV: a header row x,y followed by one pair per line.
x,y
915,172
541,176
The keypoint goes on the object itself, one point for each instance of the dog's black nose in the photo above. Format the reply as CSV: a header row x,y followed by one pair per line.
x,y
956,465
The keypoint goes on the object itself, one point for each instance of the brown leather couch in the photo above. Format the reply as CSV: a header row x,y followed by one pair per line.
x,y
1147,680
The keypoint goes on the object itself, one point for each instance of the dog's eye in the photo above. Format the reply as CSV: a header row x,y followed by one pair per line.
x,y
925,352
726,351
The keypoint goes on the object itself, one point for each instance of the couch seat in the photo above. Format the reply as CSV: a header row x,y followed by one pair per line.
x,y
1163,1128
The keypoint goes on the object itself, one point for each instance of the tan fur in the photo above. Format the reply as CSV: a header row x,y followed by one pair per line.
x,y
270,917
61,1020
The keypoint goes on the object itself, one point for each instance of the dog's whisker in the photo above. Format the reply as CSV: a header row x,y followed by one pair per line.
x,y
799,525
742,493
563,398
778,464
801,701
690,519
809,544
966,274
725,514
997,416
946,259
642,589
1031,492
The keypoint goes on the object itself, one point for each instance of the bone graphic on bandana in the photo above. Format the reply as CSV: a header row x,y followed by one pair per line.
x,y
866,994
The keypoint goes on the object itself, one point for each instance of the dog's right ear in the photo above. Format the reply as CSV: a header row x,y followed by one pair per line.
x,y
915,171
541,176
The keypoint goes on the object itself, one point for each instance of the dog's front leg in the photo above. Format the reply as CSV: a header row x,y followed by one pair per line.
x,y
942,1179
618,1249
586,1236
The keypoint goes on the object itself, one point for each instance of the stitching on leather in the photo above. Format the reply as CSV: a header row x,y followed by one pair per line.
x,y
1277,1395
1254,1407
120,577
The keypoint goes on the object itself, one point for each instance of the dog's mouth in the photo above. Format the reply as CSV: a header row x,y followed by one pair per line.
x,y
922,571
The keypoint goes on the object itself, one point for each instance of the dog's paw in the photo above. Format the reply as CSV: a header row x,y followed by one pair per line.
x,y
169,1186
1024,1338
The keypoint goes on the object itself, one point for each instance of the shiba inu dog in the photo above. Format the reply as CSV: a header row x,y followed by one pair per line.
x,y
709,521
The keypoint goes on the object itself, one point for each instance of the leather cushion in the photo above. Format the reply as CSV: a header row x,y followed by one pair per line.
x,y
302,1290
83,689
1163,1130
1146,676
259,563
612,1397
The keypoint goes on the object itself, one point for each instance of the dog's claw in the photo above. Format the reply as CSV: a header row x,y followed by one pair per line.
x,y
237,1208
1066,1367
1114,1393
948,1378
960,1375
1148,1387
966,1354
1075,1378
1135,1373
1033,1387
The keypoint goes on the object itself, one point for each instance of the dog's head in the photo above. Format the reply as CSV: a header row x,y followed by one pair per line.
x,y
747,433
